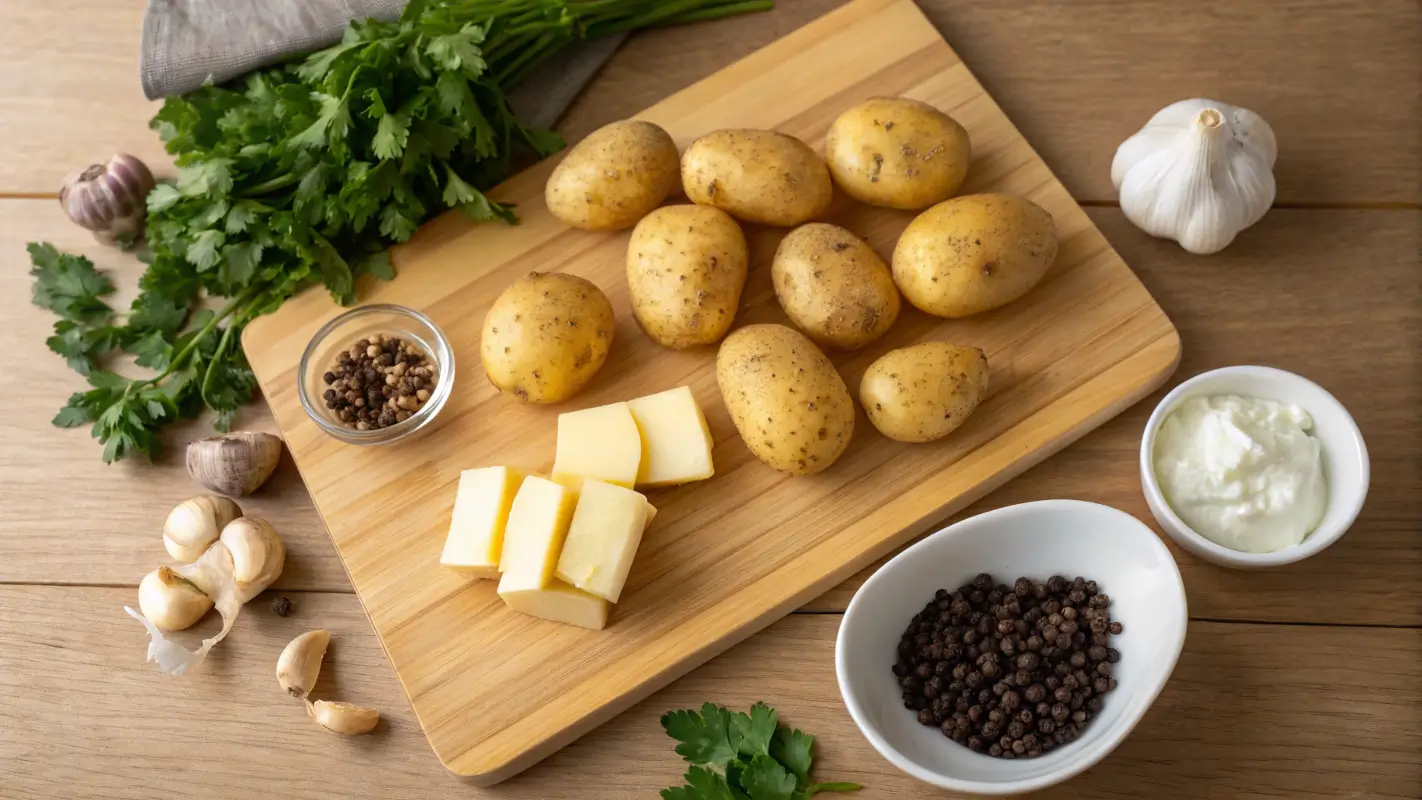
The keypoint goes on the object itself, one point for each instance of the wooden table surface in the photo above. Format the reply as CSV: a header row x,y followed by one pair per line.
x,y
1304,681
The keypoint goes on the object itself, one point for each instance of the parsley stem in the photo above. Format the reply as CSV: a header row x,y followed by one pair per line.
x,y
182,357
833,786
279,182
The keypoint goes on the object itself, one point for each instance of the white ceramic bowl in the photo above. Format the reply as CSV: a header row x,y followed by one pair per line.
x,y
1346,468
1050,537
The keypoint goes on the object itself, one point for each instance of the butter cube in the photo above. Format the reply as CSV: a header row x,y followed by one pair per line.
x,y
676,444
533,538
560,603
601,443
481,512
603,539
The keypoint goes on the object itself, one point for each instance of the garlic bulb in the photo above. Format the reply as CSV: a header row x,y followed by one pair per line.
x,y
109,199
1199,172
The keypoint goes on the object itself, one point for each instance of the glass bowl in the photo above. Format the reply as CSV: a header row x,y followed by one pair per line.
x,y
348,328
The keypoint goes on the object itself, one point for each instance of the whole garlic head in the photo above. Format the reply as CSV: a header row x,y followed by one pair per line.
x,y
1199,172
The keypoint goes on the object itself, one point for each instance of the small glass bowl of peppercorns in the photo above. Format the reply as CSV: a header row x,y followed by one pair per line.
x,y
376,374
977,660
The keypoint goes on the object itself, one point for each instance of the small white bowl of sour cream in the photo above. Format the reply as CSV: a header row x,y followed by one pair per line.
x,y
1344,456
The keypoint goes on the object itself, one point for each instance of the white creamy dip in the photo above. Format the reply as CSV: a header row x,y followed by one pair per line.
x,y
1242,472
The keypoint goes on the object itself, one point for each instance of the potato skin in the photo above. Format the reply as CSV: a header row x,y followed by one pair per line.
x,y
613,177
924,392
974,253
789,404
546,336
834,286
898,153
757,176
686,267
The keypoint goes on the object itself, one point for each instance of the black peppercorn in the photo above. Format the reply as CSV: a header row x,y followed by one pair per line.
x,y
281,606
1013,671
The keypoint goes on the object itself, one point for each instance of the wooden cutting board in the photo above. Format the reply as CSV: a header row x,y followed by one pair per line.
x,y
496,691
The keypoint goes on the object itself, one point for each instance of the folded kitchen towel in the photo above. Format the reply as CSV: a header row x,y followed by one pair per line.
x,y
187,42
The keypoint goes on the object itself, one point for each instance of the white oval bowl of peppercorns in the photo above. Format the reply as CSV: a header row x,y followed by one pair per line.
x,y
1015,649
376,374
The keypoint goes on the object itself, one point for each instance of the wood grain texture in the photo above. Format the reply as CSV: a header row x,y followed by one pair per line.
x,y
730,555
1370,327
1341,83
69,93
1252,711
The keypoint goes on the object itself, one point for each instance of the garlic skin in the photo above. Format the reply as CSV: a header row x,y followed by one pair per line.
x,y
234,464
299,665
1199,172
195,524
170,601
109,199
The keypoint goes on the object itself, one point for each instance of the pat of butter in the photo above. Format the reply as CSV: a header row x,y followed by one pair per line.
x,y
533,538
481,512
560,603
603,539
601,443
676,444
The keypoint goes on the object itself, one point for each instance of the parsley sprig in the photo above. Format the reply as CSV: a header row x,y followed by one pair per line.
x,y
758,758
303,174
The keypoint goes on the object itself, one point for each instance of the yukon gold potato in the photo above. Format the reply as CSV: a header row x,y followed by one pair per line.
x,y
974,253
686,267
924,392
897,152
788,402
757,176
613,177
834,286
546,336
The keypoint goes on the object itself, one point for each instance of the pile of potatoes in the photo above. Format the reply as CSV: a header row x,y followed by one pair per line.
x,y
687,265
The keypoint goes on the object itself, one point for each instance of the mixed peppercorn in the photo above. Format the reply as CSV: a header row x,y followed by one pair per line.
x,y
1011,671
380,381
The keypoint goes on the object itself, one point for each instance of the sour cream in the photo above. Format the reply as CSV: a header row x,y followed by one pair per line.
x,y
1244,473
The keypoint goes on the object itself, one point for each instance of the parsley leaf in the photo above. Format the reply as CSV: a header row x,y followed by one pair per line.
x,y
765,779
300,175
761,759
755,729
705,737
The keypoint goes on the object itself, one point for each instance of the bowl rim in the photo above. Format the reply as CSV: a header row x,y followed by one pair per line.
x,y
399,430
1318,540
1066,772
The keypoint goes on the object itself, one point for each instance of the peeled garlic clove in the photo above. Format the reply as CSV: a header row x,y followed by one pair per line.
x,y
171,602
195,524
235,463
300,663
343,717
257,553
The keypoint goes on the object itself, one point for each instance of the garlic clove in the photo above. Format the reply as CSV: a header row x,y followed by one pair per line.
x,y
257,554
346,718
300,663
214,575
195,524
170,601
235,463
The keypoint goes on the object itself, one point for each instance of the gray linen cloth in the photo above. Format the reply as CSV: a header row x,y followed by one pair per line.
x,y
187,42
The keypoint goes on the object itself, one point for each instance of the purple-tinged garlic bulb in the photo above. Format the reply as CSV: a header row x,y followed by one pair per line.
x,y
109,199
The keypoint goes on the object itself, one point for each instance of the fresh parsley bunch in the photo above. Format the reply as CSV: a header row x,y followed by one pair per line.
x,y
303,174
759,759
